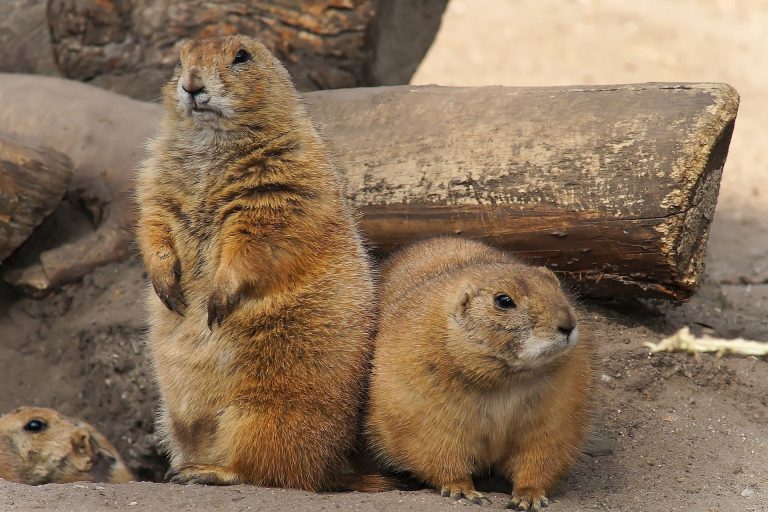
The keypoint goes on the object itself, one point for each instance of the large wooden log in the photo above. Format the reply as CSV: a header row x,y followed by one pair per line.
x,y
32,182
130,46
614,187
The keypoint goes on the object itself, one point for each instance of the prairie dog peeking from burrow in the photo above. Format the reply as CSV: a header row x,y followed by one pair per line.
x,y
41,446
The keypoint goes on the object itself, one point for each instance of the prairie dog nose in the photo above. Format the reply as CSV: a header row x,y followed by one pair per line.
x,y
567,323
191,81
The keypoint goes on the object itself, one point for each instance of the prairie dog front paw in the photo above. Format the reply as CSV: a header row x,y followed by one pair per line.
x,y
224,297
165,273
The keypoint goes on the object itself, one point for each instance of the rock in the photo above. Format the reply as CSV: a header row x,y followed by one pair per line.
x,y
33,180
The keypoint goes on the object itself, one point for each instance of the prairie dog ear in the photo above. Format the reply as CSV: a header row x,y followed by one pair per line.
x,y
549,274
83,449
464,298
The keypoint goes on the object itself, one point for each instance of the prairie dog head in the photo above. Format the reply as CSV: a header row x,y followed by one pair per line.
x,y
226,83
511,318
42,446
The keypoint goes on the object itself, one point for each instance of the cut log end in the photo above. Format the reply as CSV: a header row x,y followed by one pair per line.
x,y
32,182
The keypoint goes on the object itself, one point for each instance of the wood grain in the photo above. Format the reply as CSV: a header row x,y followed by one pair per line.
x,y
615,187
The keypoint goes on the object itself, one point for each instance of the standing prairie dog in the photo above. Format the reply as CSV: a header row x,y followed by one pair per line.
x,y
478,365
41,446
261,314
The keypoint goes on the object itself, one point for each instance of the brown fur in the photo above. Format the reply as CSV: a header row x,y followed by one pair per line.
x,y
460,386
242,222
65,450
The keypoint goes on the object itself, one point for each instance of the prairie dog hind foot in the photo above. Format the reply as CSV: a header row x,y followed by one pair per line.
x,y
206,474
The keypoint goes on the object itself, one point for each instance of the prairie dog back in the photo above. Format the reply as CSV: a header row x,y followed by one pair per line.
x,y
428,259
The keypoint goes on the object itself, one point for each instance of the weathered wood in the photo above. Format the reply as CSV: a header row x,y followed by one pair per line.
x,y
615,187
129,46
32,182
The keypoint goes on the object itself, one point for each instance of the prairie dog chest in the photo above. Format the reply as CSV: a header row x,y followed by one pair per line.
x,y
196,364
502,416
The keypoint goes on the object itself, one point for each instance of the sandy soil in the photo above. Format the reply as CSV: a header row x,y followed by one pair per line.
x,y
672,432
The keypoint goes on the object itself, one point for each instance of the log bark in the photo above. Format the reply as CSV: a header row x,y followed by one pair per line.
x,y
130,46
613,187
32,182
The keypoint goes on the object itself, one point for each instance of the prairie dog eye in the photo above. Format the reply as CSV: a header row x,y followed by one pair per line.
x,y
35,425
504,301
241,56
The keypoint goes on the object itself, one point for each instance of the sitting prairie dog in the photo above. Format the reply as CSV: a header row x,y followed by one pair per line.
x,y
478,365
260,305
41,446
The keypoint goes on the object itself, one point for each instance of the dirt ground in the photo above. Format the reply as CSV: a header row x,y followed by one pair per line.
x,y
671,432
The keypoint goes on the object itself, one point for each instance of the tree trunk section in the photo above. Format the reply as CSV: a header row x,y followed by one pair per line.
x,y
32,182
130,46
613,187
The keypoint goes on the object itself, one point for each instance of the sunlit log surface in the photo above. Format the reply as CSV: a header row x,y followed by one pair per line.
x,y
615,187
